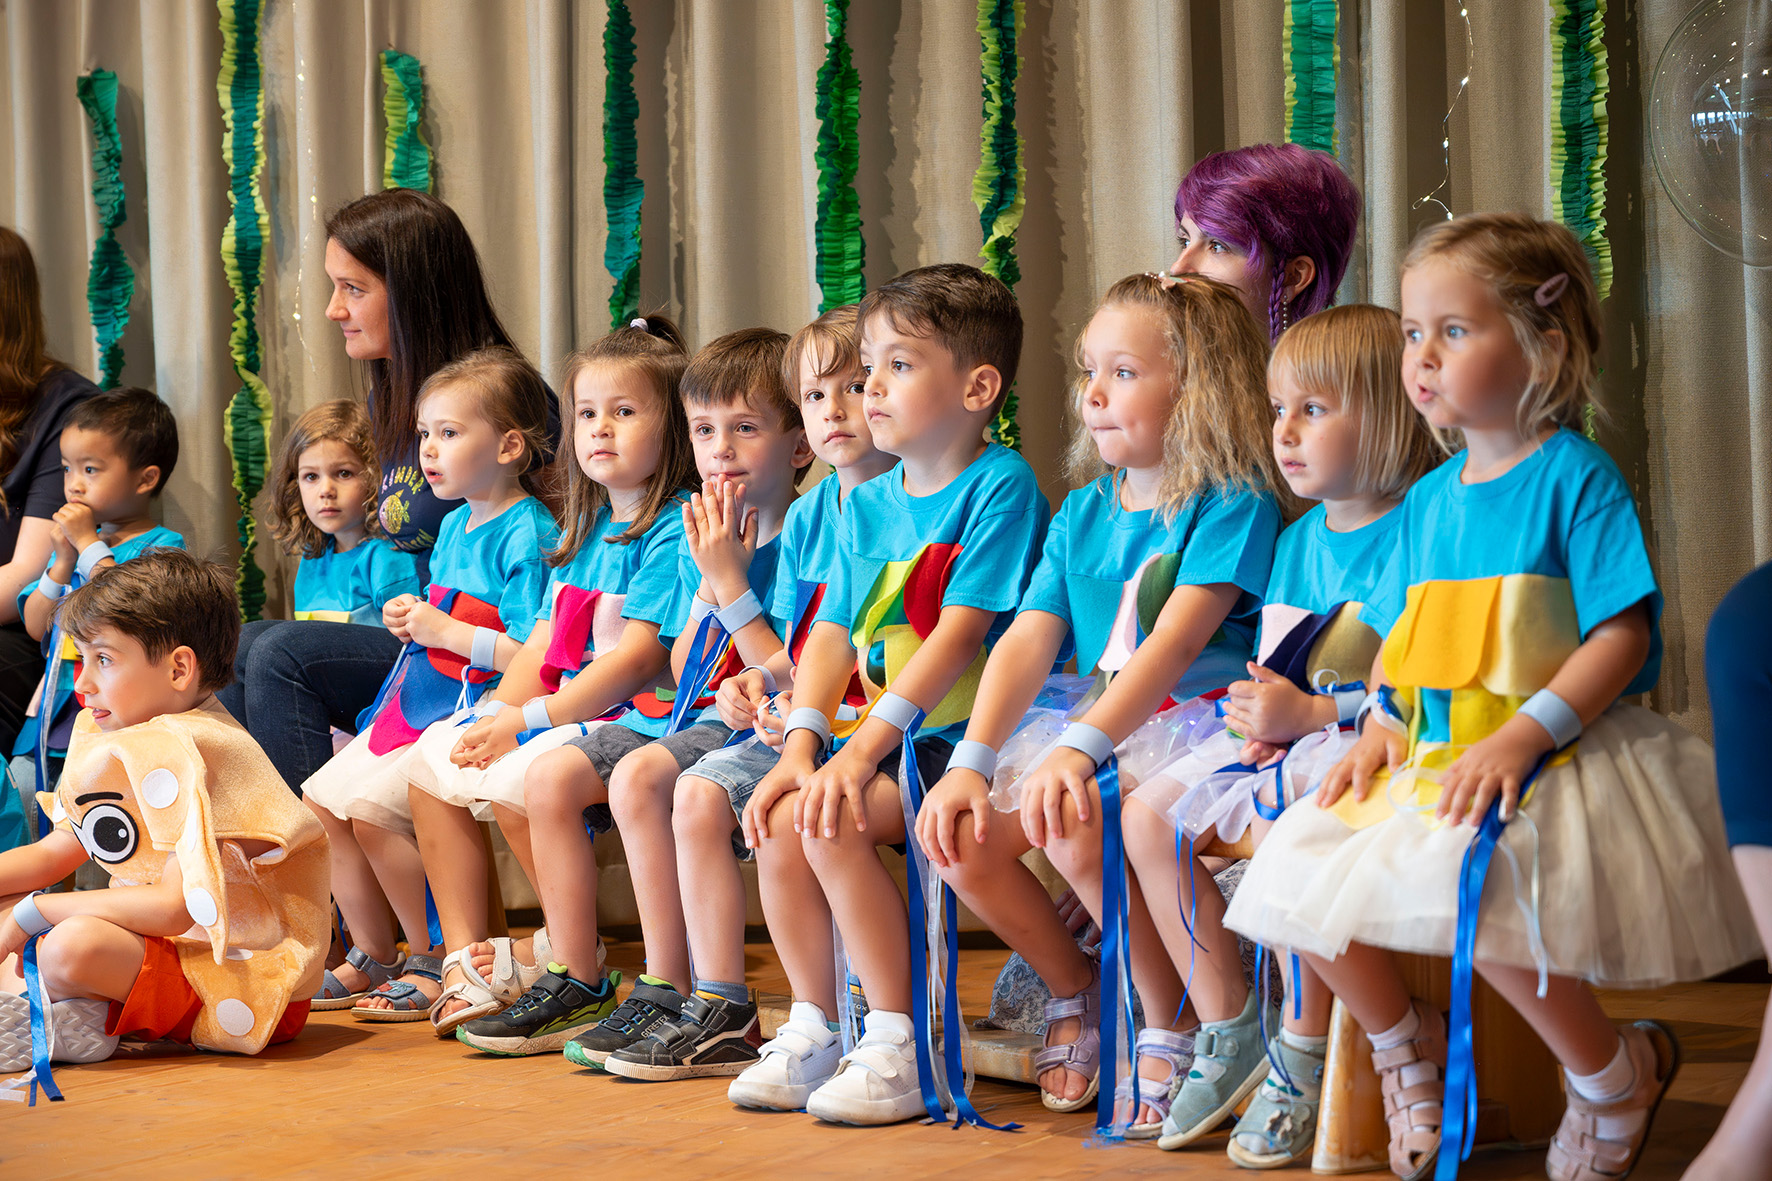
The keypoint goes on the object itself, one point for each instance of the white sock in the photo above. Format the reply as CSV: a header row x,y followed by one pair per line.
x,y
1611,1083
1416,1072
1313,1045
1307,1086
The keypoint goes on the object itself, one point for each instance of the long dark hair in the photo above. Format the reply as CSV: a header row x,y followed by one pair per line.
x,y
438,310
24,356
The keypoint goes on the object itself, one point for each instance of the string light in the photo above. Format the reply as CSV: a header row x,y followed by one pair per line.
x,y
1446,125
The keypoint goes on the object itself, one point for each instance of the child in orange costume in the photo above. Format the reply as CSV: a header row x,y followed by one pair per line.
x,y
216,925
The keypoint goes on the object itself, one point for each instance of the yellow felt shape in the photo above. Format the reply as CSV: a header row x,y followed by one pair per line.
x,y
1508,634
196,785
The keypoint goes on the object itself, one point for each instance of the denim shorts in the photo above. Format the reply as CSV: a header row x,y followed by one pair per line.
x,y
738,769
608,745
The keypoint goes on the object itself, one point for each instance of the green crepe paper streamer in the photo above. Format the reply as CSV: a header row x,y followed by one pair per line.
x,y
841,250
406,158
110,283
1580,85
247,424
622,187
999,186
1312,60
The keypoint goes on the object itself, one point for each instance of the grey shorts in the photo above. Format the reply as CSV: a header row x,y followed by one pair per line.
x,y
739,769
608,745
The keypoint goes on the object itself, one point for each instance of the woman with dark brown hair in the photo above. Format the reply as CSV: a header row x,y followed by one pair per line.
x,y
409,296
36,393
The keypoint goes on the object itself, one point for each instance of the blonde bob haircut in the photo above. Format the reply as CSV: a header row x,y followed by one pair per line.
x,y
1355,353
1516,256
1220,432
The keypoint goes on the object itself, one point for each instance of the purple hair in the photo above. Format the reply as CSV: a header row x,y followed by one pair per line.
x,y
1277,201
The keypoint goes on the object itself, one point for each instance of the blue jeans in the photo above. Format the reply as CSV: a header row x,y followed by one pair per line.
x,y
296,680
1738,672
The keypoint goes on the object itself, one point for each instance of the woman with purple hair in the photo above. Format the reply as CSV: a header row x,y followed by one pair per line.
x,y
1275,221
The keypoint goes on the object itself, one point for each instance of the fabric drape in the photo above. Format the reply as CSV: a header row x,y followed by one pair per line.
x,y
1116,98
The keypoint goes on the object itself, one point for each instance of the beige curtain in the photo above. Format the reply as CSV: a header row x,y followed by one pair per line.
x,y
1117,98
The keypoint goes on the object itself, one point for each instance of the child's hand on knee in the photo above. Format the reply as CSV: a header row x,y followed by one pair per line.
x,y
1496,766
1377,747
1065,772
788,775
843,779
938,823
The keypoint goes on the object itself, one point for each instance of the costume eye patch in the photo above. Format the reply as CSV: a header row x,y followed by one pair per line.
x,y
108,833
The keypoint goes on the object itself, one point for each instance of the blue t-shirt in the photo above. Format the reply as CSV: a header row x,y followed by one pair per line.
x,y
904,558
500,562
1107,573
122,551
810,549
351,587
1563,513
638,579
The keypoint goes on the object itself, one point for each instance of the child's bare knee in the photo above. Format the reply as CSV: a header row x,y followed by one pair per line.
x,y
701,810
74,950
554,782
642,779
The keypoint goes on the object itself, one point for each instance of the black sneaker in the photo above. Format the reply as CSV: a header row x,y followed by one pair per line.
x,y
555,1008
649,1006
711,1036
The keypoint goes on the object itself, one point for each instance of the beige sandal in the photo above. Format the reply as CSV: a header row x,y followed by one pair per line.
x,y
1577,1153
1415,1132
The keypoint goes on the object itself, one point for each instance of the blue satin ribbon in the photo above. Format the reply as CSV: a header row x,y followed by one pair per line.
x,y
48,707
433,925
704,658
38,999
953,1032
1458,1131
1116,946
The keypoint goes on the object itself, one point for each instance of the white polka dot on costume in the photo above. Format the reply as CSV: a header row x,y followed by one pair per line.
x,y
159,788
234,1017
201,904
239,953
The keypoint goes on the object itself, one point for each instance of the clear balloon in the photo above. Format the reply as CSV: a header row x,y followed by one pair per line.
x,y
1710,125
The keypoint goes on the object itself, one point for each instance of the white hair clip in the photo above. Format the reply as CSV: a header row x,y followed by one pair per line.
x,y
638,322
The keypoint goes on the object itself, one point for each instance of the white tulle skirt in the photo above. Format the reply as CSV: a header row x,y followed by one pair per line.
x,y
1635,886
428,768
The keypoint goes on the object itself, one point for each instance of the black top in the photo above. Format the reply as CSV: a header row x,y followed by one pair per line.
x,y
34,485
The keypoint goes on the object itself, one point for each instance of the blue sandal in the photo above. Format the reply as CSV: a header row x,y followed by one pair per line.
x,y
334,995
406,1001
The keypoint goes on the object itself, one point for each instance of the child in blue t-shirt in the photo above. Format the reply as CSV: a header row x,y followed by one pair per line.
x,y
934,555
1157,569
715,1034
118,450
321,506
602,635
1519,606
749,449
1344,436
483,429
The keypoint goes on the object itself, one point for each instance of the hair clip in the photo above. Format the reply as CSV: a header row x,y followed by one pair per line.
x,y
1164,278
638,322
1551,289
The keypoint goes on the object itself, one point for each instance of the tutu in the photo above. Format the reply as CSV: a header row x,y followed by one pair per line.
x,y
1621,845
358,784
428,768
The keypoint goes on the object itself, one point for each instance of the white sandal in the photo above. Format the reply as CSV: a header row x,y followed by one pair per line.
x,y
510,979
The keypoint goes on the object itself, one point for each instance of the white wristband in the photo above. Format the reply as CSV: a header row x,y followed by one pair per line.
x,y
535,714
1378,709
739,612
50,589
485,648
486,707
897,712
91,556
700,609
30,920
973,756
806,717
1092,741
1557,716
768,677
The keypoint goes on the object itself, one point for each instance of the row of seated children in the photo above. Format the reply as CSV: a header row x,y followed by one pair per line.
x,y
561,681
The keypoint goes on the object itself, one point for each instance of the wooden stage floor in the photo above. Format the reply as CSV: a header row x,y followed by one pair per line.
x,y
350,1100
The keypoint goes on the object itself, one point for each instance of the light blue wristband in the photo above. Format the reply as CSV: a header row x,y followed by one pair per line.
x,y
535,714
897,712
30,920
973,756
806,717
1557,716
739,612
485,648
91,556
1091,740
50,589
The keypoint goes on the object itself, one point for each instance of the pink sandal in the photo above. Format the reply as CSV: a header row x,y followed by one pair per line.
x,y
1577,1151
1415,1132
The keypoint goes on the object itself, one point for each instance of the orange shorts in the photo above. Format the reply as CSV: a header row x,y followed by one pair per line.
x,y
162,1003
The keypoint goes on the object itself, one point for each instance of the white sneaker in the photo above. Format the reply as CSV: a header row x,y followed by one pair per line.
x,y
801,1058
875,1083
78,1032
